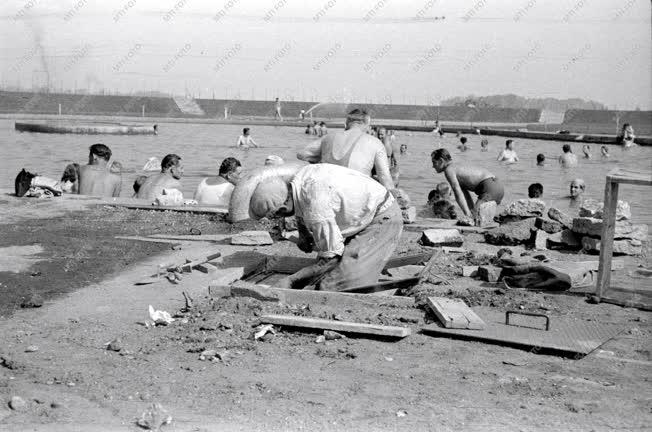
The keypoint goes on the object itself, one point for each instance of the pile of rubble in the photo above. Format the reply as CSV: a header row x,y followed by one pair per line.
x,y
523,223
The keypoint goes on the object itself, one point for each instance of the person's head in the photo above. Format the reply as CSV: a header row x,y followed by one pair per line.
x,y
322,124
98,152
535,190
139,182
274,160
604,150
567,148
70,173
484,143
628,128
276,99
171,163
541,159
403,148
577,187
463,140
231,170
441,158
509,144
381,132
358,117
245,131
272,198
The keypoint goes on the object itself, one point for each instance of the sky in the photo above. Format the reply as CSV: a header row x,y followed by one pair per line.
x,y
378,51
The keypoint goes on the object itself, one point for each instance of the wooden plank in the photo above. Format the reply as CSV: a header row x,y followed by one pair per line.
x,y
455,313
383,286
201,237
608,229
182,209
147,239
190,264
622,175
341,326
291,265
422,227
289,296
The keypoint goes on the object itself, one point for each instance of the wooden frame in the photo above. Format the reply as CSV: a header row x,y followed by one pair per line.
x,y
614,178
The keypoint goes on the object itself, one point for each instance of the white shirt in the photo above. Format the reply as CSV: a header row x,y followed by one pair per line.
x,y
335,202
217,195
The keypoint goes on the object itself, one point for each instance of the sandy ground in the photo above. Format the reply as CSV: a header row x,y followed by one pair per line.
x,y
55,357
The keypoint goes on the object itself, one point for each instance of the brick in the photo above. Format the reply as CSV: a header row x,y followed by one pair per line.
x,y
489,273
441,237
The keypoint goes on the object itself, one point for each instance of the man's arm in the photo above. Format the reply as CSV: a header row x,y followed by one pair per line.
x,y
117,187
501,156
311,153
460,197
382,169
251,140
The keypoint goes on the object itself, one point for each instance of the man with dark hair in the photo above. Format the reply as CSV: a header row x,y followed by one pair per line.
x,y
352,148
535,190
97,178
217,190
541,159
465,179
508,154
168,178
568,158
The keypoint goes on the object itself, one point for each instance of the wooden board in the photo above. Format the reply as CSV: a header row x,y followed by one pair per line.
x,y
342,326
220,288
383,286
183,209
628,176
455,313
147,239
190,237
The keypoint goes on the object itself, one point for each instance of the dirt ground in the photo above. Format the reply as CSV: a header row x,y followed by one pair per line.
x,y
55,357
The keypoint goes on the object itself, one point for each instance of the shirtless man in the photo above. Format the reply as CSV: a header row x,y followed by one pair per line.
x,y
567,159
627,136
508,154
465,179
352,148
168,178
277,112
246,140
96,178
577,188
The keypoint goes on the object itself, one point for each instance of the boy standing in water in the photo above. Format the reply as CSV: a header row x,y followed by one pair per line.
x,y
541,159
567,159
464,179
245,140
508,154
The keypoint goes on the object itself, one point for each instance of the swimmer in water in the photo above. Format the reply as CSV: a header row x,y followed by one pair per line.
x,y
567,159
508,154
535,190
627,136
484,145
462,147
541,159
604,151
577,188
245,140
587,151
404,149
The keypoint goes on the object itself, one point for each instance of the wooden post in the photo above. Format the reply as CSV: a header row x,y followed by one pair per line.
x,y
607,237
143,115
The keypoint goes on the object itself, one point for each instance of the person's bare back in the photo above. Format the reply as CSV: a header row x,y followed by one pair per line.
x,y
155,184
97,180
469,177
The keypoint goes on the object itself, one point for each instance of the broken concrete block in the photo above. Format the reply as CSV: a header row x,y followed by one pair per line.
x,y
441,237
541,240
561,217
409,215
469,271
623,229
622,247
206,268
512,233
489,273
523,208
405,271
484,213
565,239
548,225
252,238
594,209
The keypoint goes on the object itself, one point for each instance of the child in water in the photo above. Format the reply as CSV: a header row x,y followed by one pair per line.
x,y
462,147
587,151
439,203
484,145
604,151
541,159
404,149
245,140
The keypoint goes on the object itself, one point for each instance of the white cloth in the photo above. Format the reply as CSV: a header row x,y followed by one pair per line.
x,y
217,195
334,203
169,197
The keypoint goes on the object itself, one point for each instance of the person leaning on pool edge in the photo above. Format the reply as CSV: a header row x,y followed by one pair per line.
x,y
465,179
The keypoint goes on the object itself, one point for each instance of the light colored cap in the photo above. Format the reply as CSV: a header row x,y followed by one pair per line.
x,y
268,196
274,160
